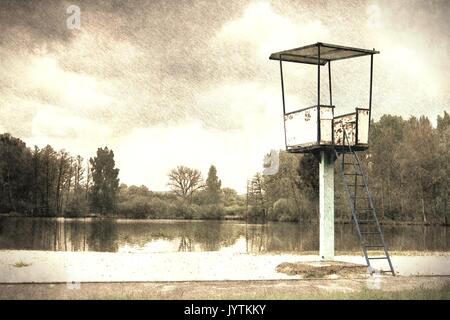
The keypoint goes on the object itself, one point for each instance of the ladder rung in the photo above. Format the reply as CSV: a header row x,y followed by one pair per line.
x,y
376,258
370,232
357,185
366,221
352,174
374,246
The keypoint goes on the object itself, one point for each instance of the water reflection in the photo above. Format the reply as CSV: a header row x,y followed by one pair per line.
x,y
185,244
58,234
108,235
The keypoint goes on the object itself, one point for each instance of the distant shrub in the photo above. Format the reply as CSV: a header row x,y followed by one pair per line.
x,y
212,211
283,210
149,207
234,210
182,210
255,213
77,207
141,207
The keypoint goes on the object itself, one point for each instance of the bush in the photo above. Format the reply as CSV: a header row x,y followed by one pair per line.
x,y
146,207
283,210
234,210
182,210
141,207
211,211
77,207
255,214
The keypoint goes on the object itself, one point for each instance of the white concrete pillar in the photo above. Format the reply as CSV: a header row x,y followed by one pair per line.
x,y
326,205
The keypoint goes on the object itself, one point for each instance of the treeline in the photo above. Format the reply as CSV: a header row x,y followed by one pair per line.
x,y
45,182
190,198
407,166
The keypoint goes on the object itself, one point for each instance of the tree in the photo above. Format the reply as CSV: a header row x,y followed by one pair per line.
x,y
231,197
386,182
213,185
78,179
88,183
443,174
76,202
185,181
286,183
49,160
256,198
63,178
418,159
138,191
105,181
308,186
15,174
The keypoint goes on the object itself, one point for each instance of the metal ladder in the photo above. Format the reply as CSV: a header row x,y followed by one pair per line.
x,y
360,201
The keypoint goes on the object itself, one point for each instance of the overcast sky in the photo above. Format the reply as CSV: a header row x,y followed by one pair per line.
x,y
165,83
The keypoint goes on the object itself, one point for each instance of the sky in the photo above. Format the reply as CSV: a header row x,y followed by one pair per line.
x,y
167,83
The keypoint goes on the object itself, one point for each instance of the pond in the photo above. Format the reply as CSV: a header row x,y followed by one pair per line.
x,y
116,235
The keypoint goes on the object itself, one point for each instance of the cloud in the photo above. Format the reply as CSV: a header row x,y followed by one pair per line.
x,y
374,20
237,152
266,31
65,130
154,151
71,90
36,21
168,83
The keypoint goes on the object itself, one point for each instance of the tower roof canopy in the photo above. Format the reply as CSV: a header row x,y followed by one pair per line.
x,y
328,52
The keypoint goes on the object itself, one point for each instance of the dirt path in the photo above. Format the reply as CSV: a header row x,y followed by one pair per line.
x,y
265,289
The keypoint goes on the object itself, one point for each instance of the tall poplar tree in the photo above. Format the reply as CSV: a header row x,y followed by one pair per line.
x,y
213,185
105,181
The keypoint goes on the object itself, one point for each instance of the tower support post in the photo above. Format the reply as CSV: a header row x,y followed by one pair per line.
x,y
326,205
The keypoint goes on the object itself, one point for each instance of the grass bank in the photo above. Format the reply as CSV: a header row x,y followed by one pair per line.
x,y
364,294
401,288
267,293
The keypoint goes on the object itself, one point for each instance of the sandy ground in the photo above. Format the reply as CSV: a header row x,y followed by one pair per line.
x,y
19,266
263,289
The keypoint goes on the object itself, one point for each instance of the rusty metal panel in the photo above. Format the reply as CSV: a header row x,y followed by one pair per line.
x,y
301,128
363,126
348,123
326,120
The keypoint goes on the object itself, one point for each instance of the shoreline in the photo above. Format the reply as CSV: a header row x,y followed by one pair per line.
x,y
118,217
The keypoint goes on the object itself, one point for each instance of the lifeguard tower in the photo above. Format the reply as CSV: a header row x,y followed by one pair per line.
x,y
316,129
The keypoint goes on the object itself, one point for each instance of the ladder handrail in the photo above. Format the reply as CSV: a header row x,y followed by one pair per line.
x,y
359,169
355,219
373,210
